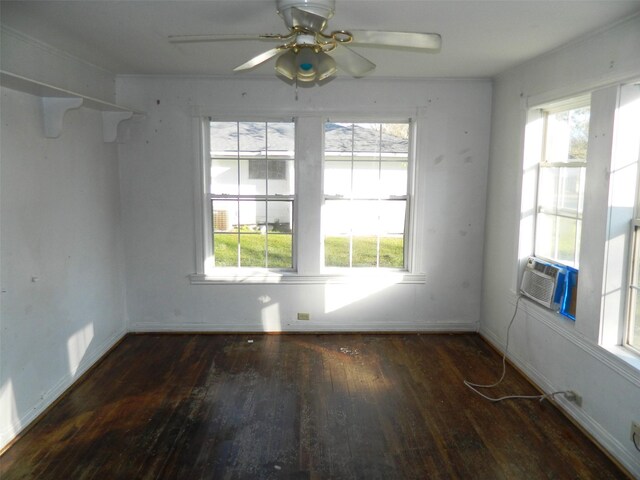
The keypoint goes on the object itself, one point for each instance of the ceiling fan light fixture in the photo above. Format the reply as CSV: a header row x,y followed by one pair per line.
x,y
326,66
286,65
306,65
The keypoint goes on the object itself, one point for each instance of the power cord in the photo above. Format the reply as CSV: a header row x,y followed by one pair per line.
x,y
634,437
474,386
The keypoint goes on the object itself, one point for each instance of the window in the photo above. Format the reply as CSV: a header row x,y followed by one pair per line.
x,y
301,200
366,194
251,193
561,184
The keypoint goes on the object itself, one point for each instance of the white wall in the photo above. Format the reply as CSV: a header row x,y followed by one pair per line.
x,y
158,180
557,354
62,302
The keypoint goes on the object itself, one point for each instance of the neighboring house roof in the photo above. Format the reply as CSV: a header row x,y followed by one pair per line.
x,y
280,137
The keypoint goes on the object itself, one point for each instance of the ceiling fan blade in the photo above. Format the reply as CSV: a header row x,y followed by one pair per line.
x,y
351,62
302,17
222,37
426,41
258,59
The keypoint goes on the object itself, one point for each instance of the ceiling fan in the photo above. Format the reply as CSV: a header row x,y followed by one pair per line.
x,y
308,53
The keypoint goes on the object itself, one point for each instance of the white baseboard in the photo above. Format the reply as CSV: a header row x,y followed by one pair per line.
x,y
20,424
142,327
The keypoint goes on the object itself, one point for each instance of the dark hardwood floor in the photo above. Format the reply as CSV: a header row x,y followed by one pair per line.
x,y
301,407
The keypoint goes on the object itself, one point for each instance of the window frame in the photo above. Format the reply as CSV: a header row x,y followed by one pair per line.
x,y
406,198
239,197
544,112
306,270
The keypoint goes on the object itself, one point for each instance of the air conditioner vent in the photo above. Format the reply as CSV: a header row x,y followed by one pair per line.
x,y
543,282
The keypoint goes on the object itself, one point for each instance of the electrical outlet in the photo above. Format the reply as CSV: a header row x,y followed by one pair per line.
x,y
304,316
635,433
573,397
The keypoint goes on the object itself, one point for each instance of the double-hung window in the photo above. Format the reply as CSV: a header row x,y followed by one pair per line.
x,y
561,183
251,193
366,201
304,199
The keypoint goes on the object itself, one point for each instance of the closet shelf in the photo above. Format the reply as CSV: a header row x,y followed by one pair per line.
x,y
56,101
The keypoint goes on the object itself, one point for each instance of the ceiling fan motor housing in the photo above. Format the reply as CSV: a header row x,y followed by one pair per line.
x,y
322,8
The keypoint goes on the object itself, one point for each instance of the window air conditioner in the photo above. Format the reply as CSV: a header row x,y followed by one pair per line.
x,y
543,282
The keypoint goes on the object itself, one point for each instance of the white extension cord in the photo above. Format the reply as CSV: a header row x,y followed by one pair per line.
x,y
474,386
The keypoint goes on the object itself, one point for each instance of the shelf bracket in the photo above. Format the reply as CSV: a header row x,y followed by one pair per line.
x,y
110,122
53,109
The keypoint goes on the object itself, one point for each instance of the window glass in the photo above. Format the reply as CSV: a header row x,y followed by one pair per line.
x,y
561,184
252,193
366,194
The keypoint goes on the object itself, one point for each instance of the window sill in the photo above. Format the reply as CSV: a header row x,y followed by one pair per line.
x,y
240,277
625,356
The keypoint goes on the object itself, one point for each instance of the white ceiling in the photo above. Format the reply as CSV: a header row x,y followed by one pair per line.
x,y
480,37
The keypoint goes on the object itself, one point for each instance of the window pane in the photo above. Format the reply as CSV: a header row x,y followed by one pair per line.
x,y
567,136
224,176
365,251
225,215
560,190
252,249
224,139
395,138
392,222
392,217
337,178
392,251
337,231
336,217
557,238
338,138
545,235
366,138
252,138
336,250
366,177
280,216
566,240
225,232
252,215
225,249
281,177
280,139
280,250
393,178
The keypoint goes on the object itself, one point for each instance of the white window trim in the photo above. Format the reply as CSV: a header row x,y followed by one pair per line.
x,y
306,271
604,337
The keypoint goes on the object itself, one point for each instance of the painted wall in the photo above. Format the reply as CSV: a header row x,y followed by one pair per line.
x,y
158,172
62,301
555,352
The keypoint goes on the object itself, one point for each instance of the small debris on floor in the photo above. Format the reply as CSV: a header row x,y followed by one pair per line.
x,y
249,341
348,351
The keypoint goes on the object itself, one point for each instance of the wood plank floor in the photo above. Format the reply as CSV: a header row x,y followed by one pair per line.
x,y
301,407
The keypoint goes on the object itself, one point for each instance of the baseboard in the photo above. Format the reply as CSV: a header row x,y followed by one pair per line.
x,y
601,437
50,398
142,327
